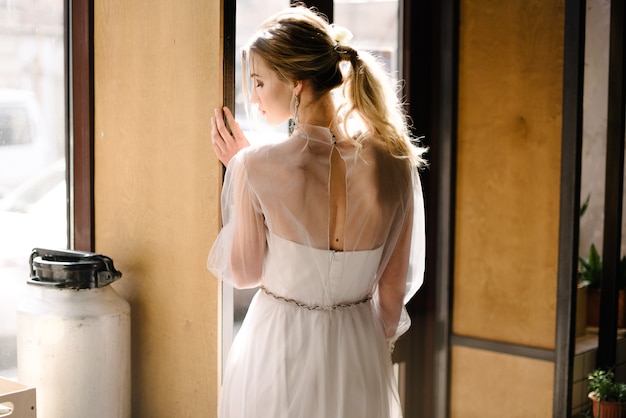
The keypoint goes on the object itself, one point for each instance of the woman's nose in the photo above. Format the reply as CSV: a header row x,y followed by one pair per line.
x,y
254,98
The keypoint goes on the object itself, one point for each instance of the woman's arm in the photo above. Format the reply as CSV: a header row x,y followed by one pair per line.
x,y
249,242
392,284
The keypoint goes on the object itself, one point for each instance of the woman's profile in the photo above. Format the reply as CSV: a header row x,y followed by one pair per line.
x,y
328,223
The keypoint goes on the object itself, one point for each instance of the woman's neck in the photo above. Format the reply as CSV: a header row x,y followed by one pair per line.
x,y
320,112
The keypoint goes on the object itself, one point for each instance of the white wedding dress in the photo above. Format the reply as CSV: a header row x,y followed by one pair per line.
x,y
313,341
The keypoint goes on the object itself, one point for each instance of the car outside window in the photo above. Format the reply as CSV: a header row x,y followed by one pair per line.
x,y
33,114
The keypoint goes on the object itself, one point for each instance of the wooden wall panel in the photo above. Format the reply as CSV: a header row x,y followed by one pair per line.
x,y
157,79
508,174
492,385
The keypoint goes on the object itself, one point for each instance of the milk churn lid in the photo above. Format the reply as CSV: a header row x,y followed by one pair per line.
x,y
71,269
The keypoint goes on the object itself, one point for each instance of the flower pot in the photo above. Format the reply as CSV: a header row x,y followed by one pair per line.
x,y
607,409
593,308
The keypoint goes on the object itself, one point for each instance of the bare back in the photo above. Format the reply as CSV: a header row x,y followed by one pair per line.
x,y
337,201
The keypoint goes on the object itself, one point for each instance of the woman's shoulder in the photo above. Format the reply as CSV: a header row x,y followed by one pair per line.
x,y
264,161
396,170
378,148
255,149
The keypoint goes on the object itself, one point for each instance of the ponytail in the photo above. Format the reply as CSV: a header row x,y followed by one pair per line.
x,y
372,99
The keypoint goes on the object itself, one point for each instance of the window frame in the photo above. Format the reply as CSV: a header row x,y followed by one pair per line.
x,y
81,213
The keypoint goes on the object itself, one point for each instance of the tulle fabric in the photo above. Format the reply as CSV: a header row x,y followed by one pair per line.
x,y
289,360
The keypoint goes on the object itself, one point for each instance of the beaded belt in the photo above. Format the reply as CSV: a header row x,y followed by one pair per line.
x,y
315,307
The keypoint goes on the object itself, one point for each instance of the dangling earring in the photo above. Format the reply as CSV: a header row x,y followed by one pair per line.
x,y
295,113
293,122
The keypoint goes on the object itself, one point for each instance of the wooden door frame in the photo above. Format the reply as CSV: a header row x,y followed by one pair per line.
x,y
80,124
429,70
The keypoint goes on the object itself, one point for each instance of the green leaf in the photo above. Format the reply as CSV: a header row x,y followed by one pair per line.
x,y
590,271
585,205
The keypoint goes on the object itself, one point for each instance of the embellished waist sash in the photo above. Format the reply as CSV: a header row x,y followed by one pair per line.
x,y
315,307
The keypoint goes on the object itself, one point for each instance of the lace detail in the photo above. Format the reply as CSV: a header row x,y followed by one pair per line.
x,y
315,307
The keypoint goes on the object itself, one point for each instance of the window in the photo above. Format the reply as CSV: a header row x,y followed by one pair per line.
x,y
33,114
380,39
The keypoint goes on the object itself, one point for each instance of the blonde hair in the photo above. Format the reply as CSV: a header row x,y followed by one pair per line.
x,y
298,44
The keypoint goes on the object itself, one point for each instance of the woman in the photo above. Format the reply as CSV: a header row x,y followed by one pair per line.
x,y
328,223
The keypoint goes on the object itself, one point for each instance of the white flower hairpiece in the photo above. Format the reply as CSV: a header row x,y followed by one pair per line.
x,y
340,35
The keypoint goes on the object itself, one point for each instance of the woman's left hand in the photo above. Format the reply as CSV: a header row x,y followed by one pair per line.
x,y
225,144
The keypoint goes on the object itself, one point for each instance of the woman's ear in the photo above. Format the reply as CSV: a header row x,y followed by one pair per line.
x,y
297,87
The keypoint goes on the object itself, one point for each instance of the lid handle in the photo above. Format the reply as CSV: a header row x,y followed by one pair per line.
x,y
104,276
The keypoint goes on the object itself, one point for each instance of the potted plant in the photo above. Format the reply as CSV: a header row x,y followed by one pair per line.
x,y
590,276
608,397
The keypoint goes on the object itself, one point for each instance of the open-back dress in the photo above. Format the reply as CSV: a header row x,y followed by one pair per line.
x,y
315,341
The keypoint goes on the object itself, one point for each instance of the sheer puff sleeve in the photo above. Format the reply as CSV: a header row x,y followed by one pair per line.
x,y
237,255
404,273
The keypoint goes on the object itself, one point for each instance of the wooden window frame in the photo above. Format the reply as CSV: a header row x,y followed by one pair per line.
x,y
81,125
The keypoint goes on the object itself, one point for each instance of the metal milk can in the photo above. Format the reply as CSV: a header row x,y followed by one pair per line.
x,y
73,336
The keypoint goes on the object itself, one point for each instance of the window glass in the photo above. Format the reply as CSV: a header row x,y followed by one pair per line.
x,y
33,197
381,38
